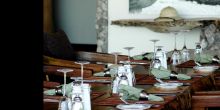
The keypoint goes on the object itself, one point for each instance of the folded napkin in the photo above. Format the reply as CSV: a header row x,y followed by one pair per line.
x,y
154,98
114,66
132,93
112,71
138,57
203,58
99,74
183,77
163,73
149,56
53,92
50,92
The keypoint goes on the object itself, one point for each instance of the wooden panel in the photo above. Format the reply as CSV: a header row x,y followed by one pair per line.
x,y
66,63
50,85
98,57
47,16
205,101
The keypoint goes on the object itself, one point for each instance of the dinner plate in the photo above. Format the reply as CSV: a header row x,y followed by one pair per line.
x,y
133,106
168,85
205,68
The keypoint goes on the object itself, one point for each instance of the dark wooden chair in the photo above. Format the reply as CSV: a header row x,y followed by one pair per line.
x,y
202,100
208,99
59,52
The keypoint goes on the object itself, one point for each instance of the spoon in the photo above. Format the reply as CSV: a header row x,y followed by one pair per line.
x,y
197,63
124,100
159,80
216,59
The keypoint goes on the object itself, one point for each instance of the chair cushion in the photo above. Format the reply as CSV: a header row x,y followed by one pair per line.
x,y
57,45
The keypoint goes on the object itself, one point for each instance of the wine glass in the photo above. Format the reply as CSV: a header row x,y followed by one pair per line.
x,y
156,62
81,63
176,54
128,48
154,41
161,56
153,60
198,48
123,79
77,103
184,46
116,56
185,51
64,71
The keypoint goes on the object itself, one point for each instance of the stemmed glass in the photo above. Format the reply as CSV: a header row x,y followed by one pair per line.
x,y
153,60
176,54
158,57
63,104
154,41
198,48
128,48
64,71
198,51
185,51
81,64
184,46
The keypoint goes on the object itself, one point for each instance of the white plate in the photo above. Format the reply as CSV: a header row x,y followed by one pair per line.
x,y
205,68
133,106
168,85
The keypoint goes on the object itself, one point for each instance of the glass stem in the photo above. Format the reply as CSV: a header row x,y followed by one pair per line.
x,y
64,86
154,51
175,43
185,41
128,55
82,73
116,59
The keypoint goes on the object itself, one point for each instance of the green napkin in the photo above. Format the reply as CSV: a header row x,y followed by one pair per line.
x,y
138,57
100,74
68,90
183,77
114,66
50,92
149,56
112,72
163,73
132,93
203,58
129,92
154,98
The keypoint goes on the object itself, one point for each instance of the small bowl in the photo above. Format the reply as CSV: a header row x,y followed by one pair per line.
x,y
205,68
133,106
168,85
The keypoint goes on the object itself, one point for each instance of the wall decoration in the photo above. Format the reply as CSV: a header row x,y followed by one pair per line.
x,y
168,21
210,35
102,17
137,5
207,2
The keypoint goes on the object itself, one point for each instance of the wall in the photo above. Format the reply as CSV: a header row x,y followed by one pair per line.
x,y
138,37
77,19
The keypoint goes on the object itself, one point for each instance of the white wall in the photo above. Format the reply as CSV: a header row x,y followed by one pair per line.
x,y
139,37
77,18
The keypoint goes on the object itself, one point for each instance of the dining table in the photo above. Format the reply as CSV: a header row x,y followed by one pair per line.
x,y
179,98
